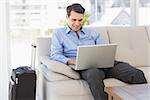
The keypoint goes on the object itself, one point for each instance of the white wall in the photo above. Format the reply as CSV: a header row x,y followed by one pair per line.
x,y
4,51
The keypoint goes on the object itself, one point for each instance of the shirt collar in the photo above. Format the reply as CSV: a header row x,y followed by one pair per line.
x,y
68,30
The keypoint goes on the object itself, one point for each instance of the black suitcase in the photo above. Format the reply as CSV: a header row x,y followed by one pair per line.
x,y
22,85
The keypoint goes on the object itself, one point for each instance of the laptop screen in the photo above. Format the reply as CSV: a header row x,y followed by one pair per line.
x,y
98,56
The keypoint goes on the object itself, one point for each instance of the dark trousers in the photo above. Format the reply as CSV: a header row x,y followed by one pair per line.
x,y
122,71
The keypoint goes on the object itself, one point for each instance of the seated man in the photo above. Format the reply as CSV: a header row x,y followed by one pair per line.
x,y
64,48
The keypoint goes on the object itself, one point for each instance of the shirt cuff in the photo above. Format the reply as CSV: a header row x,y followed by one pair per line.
x,y
65,60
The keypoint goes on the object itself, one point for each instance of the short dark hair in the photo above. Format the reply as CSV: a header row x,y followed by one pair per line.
x,y
76,7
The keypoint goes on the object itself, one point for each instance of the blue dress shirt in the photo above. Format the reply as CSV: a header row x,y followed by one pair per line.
x,y
65,42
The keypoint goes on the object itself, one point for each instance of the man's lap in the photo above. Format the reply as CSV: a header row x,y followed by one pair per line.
x,y
121,70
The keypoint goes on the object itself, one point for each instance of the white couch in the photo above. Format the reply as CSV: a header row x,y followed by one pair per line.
x,y
57,81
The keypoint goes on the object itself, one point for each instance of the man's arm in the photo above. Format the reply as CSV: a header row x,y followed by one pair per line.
x,y
57,49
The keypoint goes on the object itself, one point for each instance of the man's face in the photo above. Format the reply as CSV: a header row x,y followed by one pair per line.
x,y
75,20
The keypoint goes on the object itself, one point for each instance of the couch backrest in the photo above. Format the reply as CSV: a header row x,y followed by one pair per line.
x,y
133,44
103,32
43,46
148,31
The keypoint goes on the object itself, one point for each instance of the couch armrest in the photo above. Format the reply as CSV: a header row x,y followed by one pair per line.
x,y
60,68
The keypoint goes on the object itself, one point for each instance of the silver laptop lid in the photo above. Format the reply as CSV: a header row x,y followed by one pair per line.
x,y
98,56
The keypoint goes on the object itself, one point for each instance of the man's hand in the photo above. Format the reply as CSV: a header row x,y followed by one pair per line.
x,y
71,62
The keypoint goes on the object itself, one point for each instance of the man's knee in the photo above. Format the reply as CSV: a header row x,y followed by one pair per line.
x,y
95,74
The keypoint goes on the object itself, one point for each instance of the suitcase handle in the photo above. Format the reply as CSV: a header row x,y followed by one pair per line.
x,y
33,56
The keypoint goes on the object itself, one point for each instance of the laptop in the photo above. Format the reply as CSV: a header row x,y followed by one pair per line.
x,y
95,56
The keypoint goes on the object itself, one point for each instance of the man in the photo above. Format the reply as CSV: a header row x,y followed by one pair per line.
x,y
64,48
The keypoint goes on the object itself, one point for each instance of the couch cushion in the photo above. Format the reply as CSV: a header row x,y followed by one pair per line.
x,y
68,88
50,75
113,82
133,44
60,68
